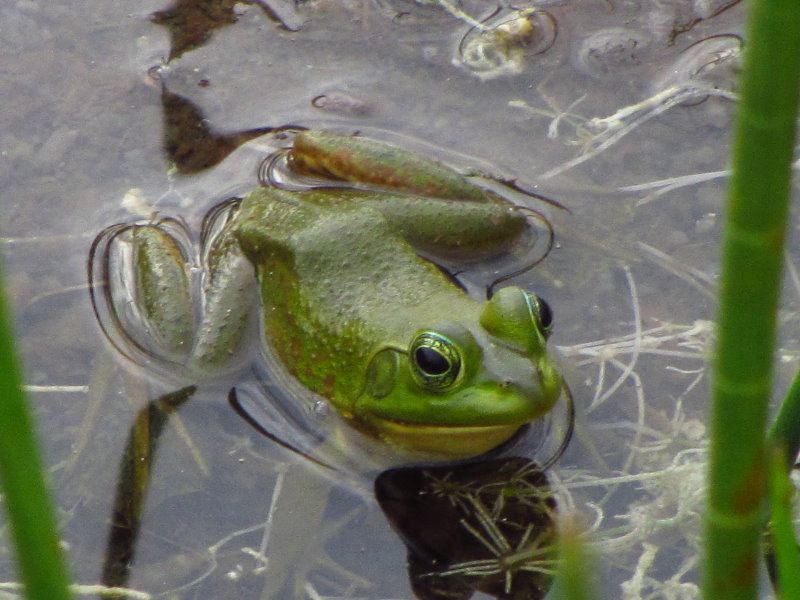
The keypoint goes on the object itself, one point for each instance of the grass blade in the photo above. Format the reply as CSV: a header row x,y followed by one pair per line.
x,y
22,482
784,546
573,576
785,432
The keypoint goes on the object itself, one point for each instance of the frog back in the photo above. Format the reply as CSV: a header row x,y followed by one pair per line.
x,y
338,283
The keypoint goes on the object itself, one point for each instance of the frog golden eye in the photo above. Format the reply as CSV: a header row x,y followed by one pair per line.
x,y
435,361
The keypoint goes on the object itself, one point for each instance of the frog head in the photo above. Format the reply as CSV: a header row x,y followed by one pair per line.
x,y
459,389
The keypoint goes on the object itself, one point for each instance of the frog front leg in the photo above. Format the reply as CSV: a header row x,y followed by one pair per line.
x,y
166,305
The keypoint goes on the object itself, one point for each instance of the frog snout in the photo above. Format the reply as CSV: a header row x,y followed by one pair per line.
x,y
536,382
526,387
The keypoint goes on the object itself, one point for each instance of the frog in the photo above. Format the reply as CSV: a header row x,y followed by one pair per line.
x,y
343,282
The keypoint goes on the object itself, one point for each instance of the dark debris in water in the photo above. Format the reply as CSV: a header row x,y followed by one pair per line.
x,y
482,526
191,23
190,143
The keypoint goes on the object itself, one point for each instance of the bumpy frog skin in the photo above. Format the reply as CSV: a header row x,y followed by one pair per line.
x,y
349,307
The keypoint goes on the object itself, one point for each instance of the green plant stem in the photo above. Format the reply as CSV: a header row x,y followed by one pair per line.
x,y
752,252
785,432
21,477
574,569
782,530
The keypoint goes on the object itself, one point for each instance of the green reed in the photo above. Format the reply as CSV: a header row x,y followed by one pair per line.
x,y
783,552
783,446
22,482
573,582
757,210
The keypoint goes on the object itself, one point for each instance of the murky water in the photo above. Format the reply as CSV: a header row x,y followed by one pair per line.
x,y
619,95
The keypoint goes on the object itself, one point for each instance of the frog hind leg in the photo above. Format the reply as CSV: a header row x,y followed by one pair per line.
x,y
140,288
455,234
143,283
457,231
495,241
227,299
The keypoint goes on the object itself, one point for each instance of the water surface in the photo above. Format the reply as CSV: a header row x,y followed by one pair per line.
x,y
85,143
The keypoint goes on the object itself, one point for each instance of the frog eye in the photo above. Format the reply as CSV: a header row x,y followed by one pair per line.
x,y
520,319
435,361
541,313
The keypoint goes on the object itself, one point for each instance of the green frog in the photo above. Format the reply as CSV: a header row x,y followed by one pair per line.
x,y
351,300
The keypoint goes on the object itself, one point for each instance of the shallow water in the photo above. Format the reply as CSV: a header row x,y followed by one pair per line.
x,y
631,279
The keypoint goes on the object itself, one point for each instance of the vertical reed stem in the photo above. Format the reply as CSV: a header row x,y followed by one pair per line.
x,y
752,251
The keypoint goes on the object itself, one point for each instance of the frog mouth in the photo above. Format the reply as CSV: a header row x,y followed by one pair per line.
x,y
447,441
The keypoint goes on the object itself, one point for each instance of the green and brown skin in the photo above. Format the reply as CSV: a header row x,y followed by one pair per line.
x,y
357,316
